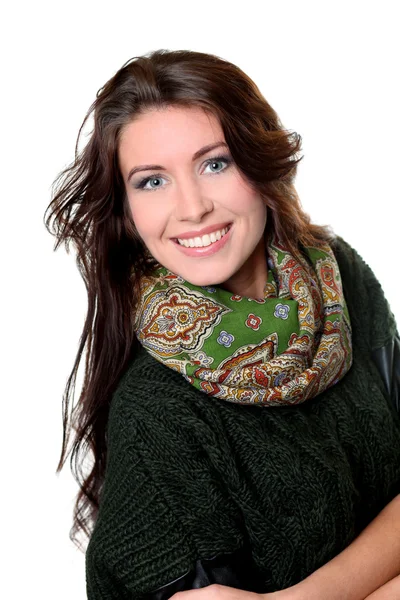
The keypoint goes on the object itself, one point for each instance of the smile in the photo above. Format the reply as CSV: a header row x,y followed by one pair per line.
x,y
204,246
204,240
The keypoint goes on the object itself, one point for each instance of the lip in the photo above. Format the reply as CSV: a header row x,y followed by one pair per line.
x,y
192,234
205,250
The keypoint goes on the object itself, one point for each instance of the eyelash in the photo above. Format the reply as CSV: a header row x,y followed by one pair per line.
x,y
140,185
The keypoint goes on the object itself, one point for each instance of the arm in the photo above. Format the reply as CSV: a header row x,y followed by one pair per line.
x,y
390,590
366,570
367,564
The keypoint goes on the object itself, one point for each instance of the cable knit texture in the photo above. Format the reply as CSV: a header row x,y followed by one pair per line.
x,y
190,476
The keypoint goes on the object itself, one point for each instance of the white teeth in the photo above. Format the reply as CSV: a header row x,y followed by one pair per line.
x,y
205,240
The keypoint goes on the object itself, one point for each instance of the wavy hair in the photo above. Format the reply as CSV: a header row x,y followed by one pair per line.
x,y
89,208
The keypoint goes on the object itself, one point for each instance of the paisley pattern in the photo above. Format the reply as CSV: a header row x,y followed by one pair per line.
x,y
282,349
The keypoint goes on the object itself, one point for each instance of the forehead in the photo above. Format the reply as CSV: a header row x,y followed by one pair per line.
x,y
168,132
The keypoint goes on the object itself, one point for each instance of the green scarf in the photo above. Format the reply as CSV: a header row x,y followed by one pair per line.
x,y
281,350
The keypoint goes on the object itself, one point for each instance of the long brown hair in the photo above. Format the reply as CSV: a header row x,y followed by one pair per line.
x,y
89,208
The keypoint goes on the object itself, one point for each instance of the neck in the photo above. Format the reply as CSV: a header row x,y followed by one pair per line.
x,y
251,278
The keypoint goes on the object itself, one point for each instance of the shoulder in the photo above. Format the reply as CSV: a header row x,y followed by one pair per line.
x,y
369,309
145,383
374,326
351,263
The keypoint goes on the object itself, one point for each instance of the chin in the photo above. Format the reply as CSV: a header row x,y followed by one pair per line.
x,y
205,279
201,282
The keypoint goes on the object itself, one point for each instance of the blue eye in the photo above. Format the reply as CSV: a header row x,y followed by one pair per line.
x,y
218,159
157,176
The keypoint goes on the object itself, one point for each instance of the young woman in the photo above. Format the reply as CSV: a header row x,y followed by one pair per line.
x,y
241,389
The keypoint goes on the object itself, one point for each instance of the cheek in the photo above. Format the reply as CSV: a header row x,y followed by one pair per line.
x,y
247,204
148,221
241,198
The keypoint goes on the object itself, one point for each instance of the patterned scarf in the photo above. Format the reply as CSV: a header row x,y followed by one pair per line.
x,y
281,350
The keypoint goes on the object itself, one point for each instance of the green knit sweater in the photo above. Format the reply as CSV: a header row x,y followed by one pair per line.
x,y
190,476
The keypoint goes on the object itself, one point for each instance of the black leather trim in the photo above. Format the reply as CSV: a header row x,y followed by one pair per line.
x,y
234,569
387,360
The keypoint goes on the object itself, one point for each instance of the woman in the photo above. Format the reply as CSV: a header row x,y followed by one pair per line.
x,y
240,389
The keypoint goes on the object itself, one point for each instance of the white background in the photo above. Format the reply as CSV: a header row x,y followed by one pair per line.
x,y
330,70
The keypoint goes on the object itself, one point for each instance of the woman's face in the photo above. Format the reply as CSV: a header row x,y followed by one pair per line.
x,y
177,193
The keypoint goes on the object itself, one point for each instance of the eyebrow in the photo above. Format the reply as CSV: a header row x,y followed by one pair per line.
x,y
196,155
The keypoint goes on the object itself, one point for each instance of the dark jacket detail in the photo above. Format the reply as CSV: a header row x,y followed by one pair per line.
x,y
233,569
387,360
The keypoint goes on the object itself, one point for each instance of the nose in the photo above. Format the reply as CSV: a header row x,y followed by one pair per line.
x,y
190,203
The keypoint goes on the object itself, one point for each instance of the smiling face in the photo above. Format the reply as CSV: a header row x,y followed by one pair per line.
x,y
181,196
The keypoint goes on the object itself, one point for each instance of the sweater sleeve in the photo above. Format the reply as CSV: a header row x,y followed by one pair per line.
x,y
138,544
